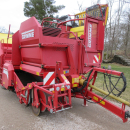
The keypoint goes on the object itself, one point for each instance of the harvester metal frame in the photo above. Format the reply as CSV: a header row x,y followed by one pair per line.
x,y
46,68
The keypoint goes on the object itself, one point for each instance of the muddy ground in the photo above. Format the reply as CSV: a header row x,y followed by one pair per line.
x,y
16,116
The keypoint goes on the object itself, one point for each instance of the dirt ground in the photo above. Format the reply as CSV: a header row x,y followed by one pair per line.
x,y
16,116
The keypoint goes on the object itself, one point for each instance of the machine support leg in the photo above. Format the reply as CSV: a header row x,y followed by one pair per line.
x,y
84,104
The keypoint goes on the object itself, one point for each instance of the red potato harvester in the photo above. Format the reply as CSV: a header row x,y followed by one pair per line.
x,y
48,64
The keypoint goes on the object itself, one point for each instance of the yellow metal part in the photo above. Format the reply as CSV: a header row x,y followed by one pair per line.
x,y
30,85
80,77
64,77
110,95
106,17
78,31
37,73
81,81
23,88
75,80
99,56
102,102
4,36
95,98
62,88
75,85
81,15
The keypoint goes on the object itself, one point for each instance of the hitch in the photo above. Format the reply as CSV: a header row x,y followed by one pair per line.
x,y
127,114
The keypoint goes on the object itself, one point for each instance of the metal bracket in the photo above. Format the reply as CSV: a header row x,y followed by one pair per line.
x,y
39,45
23,96
62,109
42,66
127,114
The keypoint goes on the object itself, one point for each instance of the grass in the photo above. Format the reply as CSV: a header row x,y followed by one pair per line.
x,y
100,80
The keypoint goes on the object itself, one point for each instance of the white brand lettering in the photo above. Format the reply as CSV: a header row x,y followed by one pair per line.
x,y
28,34
89,34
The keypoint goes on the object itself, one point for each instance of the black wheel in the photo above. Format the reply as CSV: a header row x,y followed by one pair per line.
x,y
43,97
36,111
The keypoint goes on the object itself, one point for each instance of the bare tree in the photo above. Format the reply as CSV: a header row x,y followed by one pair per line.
x,y
3,30
80,5
126,34
98,1
109,27
118,18
113,27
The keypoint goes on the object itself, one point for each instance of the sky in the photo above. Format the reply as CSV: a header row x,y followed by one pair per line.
x,y
11,11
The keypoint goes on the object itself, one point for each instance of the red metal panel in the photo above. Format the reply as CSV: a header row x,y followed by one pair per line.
x,y
100,42
1,55
31,69
108,105
7,75
92,53
52,55
31,54
91,32
29,31
112,72
16,55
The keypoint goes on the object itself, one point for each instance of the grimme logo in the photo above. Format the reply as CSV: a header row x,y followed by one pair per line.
x,y
89,34
28,34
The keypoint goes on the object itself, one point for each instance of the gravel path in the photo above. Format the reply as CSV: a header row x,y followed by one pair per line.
x,y
16,116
